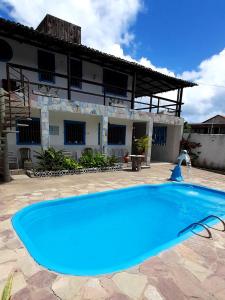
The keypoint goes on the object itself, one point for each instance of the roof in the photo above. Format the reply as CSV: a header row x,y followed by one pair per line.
x,y
215,117
216,120
148,81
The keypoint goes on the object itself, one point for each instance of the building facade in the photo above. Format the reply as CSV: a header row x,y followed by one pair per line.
x,y
57,92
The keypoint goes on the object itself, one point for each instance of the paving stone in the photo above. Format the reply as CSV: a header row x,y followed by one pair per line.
x,y
118,296
7,255
151,293
28,266
41,279
67,288
130,284
19,282
93,290
24,294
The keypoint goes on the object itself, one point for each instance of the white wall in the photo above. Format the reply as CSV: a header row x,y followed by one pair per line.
x,y
57,141
170,151
24,54
212,150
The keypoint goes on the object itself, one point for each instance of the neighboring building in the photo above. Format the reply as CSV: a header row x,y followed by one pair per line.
x,y
214,125
58,92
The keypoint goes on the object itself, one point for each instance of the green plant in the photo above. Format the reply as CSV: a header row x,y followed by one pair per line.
x,y
53,160
187,127
112,160
50,159
89,159
6,294
70,164
141,145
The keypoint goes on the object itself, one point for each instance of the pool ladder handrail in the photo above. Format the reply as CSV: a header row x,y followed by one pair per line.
x,y
193,226
199,223
216,217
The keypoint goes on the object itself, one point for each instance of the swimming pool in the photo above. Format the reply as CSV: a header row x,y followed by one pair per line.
x,y
109,231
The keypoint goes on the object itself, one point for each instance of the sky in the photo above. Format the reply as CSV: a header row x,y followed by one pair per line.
x,y
183,38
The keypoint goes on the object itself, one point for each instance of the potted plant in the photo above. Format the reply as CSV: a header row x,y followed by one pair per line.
x,y
141,145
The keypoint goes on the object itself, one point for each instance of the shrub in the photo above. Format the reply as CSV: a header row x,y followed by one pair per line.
x,y
89,159
50,159
54,160
70,164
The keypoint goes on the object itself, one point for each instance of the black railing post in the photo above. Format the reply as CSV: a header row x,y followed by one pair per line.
x,y
150,106
133,90
68,77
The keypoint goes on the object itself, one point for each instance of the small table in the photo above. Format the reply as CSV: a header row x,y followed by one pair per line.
x,y
136,161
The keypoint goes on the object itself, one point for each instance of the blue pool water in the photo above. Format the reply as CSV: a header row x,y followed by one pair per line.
x,y
109,231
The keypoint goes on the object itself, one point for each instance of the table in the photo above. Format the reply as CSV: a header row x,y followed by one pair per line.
x,y
136,161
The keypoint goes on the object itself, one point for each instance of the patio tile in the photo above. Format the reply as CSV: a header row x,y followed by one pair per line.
x,y
41,279
130,284
194,269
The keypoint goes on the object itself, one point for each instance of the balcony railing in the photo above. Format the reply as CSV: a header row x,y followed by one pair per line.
x,y
97,90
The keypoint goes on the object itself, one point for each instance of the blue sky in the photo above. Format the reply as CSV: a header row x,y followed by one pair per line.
x,y
184,38
179,34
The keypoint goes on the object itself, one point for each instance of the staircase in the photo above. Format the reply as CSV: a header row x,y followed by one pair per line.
x,y
14,110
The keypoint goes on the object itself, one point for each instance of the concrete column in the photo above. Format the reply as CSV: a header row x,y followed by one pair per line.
x,y
104,134
45,127
149,130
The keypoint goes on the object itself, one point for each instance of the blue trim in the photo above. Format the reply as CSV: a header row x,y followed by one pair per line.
x,y
83,133
27,144
120,126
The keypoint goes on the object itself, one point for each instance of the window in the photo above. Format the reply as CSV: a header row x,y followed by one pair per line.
x,y
74,133
159,135
46,65
6,52
76,73
116,79
116,134
30,135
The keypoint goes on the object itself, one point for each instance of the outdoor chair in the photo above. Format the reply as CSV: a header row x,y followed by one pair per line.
x,y
25,155
13,159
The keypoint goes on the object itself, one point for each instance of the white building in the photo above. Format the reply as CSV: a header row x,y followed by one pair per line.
x,y
78,97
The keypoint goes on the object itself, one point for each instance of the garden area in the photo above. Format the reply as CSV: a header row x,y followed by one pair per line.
x,y
53,162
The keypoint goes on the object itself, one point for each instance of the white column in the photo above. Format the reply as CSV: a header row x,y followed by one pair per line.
x,y
149,130
104,134
44,127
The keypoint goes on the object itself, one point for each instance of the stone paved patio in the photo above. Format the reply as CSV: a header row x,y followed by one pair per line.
x,y
194,269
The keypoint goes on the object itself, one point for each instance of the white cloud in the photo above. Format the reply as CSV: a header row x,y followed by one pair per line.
x,y
208,98
106,25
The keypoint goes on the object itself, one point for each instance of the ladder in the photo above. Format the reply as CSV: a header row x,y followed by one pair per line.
x,y
204,226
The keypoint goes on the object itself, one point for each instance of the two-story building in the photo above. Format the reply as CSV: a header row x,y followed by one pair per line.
x,y
58,92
